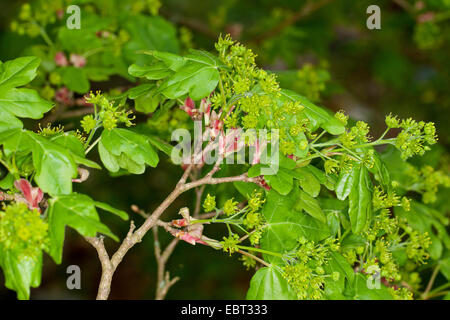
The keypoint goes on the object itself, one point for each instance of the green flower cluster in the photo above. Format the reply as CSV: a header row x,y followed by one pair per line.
x,y
229,244
250,98
381,200
151,6
386,235
22,229
210,203
306,270
311,81
427,180
414,137
32,18
109,115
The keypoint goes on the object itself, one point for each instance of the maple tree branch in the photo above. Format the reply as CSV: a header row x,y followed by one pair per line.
x,y
135,236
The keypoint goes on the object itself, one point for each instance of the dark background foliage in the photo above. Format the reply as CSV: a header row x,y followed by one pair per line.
x,y
400,69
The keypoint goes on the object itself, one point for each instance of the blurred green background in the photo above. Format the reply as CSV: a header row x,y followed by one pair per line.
x,y
322,49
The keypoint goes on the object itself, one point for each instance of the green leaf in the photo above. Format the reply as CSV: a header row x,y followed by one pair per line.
x,y
316,115
360,199
311,206
198,77
23,103
173,61
381,172
334,290
246,189
8,121
21,271
55,165
340,264
139,90
308,181
18,72
445,267
282,181
104,206
76,211
425,219
345,184
155,71
268,284
148,102
148,33
285,225
75,79
68,140
160,145
363,292
122,148
109,160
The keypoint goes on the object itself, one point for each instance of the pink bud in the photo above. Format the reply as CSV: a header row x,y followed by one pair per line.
x,y
60,13
189,107
60,59
84,175
64,96
425,17
77,60
31,196
179,223
205,108
189,238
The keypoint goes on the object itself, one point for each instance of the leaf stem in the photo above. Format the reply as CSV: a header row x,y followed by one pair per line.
x,y
245,253
92,145
260,250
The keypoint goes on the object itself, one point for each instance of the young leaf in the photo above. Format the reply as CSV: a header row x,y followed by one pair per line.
x,y
198,77
316,115
268,284
76,211
122,148
345,184
308,182
311,206
360,199
23,103
21,271
285,225
75,79
8,121
55,167
18,72
155,71
282,181
104,206
364,290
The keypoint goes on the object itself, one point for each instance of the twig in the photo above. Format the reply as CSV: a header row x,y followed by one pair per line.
x,y
164,282
135,236
253,257
431,282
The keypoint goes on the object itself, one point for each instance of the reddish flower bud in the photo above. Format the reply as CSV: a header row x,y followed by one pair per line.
x,y
77,60
64,96
60,59
32,196
189,238
179,223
